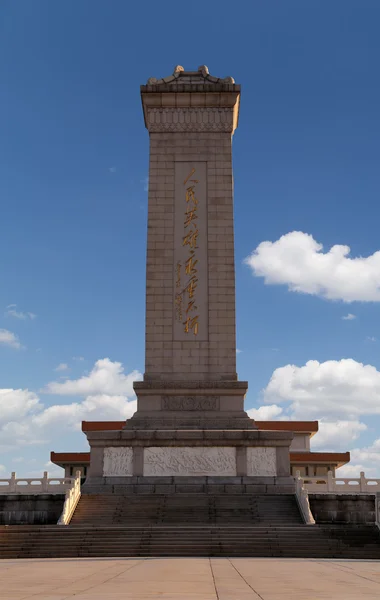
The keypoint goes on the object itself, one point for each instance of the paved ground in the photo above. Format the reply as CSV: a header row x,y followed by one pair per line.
x,y
189,579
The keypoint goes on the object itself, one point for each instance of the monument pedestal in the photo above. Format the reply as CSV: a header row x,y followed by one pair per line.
x,y
190,405
137,460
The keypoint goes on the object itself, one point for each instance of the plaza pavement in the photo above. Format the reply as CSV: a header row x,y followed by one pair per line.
x,y
189,579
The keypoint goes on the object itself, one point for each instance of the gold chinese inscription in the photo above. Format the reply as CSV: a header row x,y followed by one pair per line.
x,y
185,300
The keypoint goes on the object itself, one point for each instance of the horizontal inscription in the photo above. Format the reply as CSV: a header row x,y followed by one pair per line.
x,y
190,402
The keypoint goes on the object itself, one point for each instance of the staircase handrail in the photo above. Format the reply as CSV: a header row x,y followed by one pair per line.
x,y
71,500
303,500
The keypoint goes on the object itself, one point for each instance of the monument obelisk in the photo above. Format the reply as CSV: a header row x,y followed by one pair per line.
x,y
190,366
190,419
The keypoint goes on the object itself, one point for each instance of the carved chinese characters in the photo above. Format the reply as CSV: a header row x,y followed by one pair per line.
x,y
190,264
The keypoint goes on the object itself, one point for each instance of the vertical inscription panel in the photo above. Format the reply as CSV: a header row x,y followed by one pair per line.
x,y
190,301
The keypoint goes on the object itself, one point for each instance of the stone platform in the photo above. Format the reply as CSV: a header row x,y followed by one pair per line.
x,y
119,455
189,485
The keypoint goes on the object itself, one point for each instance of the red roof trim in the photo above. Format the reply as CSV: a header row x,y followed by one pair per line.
x,y
70,457
329,457
297,426
102,425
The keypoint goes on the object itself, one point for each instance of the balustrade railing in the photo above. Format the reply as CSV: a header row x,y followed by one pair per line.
x,y
72,498
35,485
328,484
303,500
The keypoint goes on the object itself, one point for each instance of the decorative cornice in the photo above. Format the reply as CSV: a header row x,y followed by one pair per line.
x,y
193,385
194,93
190,119
180,76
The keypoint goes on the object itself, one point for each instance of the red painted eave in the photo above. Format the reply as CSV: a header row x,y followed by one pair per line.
x,y
337,458
296,426
102,425
60,458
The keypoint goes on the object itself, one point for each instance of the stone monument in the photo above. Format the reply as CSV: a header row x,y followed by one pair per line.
x,y
190,419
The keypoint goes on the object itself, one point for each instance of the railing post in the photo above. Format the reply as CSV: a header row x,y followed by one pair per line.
x,y
363,483
303,500
330,482
12,483
45,484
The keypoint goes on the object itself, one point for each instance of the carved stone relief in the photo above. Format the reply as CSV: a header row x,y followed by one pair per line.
x,y
190,402
190,119
118,462
261,461
187,461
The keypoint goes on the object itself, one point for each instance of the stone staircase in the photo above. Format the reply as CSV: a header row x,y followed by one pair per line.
x,y
113,509
297,541
189,525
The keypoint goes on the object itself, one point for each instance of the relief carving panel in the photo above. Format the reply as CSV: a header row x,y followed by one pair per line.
x,y
118,462
190,461
190,119
261,461
190,402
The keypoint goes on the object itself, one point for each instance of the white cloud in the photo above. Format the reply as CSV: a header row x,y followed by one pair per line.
x,y
112,169
341,389
297,260
18,314
9,339
349,317
78,358
62,367
16,404
106,377
337,435
107,395
365,459
265,413
370,338
2,468
238,351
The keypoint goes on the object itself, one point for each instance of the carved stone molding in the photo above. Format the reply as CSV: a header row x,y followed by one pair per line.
x,y
190,461
191,384
190,119
190,402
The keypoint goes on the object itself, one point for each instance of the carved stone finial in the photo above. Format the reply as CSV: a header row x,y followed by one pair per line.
x,y
204,70
178,69
228,80
151,81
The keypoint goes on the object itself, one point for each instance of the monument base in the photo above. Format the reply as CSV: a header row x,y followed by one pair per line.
x,y
142,459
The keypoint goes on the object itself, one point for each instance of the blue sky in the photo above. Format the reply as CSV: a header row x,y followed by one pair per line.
x,y
73,170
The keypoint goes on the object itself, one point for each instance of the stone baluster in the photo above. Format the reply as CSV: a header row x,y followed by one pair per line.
x,y
45,483
12,482
330,482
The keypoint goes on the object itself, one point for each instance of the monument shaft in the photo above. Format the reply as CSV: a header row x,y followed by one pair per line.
x,y
190,281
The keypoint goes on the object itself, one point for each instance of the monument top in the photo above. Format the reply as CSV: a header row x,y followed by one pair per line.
x,y
182,77
197,93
